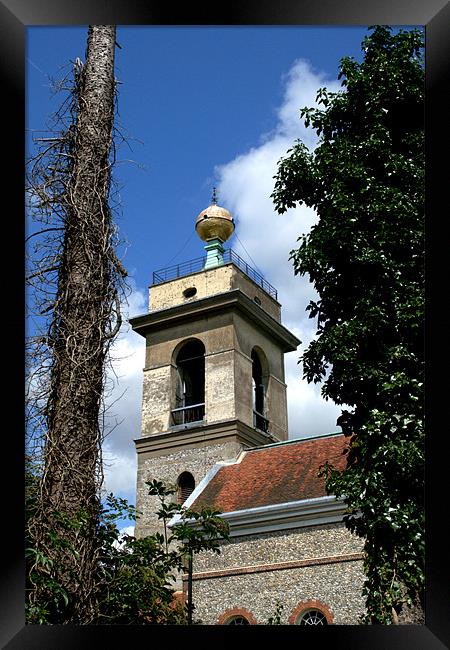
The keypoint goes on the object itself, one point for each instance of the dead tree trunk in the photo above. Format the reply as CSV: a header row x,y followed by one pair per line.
x,y
85,319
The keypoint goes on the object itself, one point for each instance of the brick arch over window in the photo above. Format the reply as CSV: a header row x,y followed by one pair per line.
x,y
236,611
307,605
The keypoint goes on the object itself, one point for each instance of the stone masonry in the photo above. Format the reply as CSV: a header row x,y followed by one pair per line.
x,y
253,573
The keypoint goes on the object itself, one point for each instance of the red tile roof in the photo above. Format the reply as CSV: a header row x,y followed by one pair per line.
x,y
274,474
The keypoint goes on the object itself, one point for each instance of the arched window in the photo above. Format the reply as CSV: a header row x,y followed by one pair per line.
x,y
311,612
259,385
186,485
237,616
237,620
312,617
190,383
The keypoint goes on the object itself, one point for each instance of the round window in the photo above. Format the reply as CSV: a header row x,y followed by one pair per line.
x,y
312,617
190,292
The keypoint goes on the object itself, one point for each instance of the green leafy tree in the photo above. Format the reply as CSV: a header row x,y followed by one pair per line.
x,y
277,616
365,258
134,579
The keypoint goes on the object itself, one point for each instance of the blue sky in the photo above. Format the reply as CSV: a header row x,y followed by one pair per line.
x,y
202,107
192,99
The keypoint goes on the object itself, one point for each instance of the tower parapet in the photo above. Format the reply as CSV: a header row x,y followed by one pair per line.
x,y
193,280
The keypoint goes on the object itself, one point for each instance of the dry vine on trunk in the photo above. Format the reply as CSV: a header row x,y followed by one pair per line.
x,y
75,281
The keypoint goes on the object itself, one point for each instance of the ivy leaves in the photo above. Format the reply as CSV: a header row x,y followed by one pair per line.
x,y
133,577
365,258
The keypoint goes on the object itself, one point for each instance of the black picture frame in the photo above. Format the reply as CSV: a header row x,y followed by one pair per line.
x,y
15,17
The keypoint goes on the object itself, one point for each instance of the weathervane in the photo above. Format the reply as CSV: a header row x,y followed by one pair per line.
x,y
214,197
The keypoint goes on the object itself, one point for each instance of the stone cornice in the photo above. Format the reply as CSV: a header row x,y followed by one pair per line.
x,y
185,436
234,300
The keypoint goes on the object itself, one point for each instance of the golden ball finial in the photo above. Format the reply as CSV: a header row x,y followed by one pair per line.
x,y
214,222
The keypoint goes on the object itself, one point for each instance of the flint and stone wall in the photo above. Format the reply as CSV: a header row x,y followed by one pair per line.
x,y
253,573
167,468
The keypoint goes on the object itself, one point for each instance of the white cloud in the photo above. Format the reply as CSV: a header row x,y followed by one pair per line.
x,y
119,467
308,413
127,530
123,402
245,186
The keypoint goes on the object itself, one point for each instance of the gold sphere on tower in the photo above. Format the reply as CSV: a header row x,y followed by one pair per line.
x,y
214,222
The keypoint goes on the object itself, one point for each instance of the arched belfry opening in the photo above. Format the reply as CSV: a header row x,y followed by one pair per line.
x,y
259,387
185,486
190,383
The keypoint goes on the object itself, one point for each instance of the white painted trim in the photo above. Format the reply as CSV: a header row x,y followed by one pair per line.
x,y
283,516
279,516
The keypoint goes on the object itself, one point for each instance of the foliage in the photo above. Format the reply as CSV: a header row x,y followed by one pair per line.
x,y
134,578
134,574
365,258
276,618
47,597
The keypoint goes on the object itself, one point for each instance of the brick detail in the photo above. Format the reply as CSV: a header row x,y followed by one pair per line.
x,y
236,611
310,604
278,566
178,599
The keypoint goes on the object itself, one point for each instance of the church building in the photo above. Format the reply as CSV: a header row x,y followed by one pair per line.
x,y
214,423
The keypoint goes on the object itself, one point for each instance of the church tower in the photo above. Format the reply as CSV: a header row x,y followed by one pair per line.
x,y
214,366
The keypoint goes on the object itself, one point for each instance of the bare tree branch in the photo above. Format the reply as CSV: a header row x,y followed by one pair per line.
x,y
69,183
